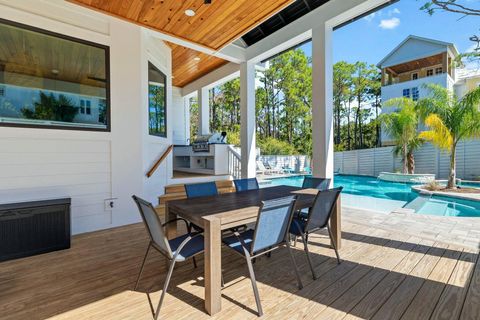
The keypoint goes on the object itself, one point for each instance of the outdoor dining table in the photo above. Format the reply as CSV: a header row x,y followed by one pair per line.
x,y
228,210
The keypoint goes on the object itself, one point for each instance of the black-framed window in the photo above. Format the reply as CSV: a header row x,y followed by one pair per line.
x,y
51,80
157,102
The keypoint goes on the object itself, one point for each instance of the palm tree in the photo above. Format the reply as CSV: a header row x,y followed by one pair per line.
x,y
450,120
402,127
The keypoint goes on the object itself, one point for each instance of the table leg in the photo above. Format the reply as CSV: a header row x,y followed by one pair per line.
x,y
336,224
171,231
213,266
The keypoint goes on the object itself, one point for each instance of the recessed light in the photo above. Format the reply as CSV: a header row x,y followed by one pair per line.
x,y
196,58
190,12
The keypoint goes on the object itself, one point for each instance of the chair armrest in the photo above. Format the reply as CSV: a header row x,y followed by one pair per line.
x,y
175,220
184,243
242,242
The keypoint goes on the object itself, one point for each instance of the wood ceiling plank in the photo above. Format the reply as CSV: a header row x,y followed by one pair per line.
x,y
213,26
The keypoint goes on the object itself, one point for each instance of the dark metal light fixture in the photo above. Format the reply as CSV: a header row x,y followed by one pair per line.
x,y
207,1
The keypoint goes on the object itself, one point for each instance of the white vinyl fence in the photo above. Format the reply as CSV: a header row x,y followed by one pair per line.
x,y
297,163
428,159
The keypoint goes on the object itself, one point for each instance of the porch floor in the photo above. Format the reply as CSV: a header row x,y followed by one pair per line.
x,y
384,275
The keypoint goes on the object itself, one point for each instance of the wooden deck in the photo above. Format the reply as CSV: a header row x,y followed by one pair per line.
x,y
383,276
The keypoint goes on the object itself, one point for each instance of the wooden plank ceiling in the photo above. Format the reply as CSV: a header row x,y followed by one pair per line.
x,y
417,64
214,25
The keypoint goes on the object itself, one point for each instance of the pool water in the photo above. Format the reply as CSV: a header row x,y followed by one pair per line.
x,y
370,193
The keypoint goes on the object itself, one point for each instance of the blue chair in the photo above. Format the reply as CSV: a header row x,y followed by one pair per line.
x,y
246,184
321,184
196,190
318,218
204,189
316,183
270,233
179,249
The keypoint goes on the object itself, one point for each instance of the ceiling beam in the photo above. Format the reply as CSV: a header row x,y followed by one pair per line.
x,y
218,76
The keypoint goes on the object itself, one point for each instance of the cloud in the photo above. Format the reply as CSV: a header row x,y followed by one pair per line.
x,y
389,23
393,12
370,17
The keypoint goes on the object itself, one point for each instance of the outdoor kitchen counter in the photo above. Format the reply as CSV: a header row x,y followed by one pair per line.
x,y
214,162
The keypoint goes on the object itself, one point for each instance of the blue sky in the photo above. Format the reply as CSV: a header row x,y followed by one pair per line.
x,y
371,38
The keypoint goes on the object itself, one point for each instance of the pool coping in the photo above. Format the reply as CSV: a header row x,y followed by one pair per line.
x,y
462,196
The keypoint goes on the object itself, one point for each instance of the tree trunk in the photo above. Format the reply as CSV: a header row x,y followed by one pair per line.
x,y
452,183
411,163
349,136
405,159
377,125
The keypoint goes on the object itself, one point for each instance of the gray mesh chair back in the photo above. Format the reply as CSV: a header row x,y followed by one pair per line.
x,y
201,189
322,209
316,183
273,222
154,226
246,184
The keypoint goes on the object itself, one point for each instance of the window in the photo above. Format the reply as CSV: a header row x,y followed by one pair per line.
x,y
68,79
439,70
414,76
157,102
82,106
406,93
429,72
415,94
88,107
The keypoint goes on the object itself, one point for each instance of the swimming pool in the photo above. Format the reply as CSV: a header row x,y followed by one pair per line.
x,y
369,193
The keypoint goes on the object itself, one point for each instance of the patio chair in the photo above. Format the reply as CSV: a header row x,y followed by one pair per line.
x,y
316,183
175,250
318,218
275,168
246,184
261,169
204,189
195,190
270,233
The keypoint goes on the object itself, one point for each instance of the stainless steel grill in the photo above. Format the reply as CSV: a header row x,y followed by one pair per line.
x,y
202,142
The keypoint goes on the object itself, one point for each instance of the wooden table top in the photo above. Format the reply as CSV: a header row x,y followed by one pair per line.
x,y
236,208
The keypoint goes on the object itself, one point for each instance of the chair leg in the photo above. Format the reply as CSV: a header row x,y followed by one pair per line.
x,y
165,286
143,265
307,252
194,262
333,245
299,280
254,285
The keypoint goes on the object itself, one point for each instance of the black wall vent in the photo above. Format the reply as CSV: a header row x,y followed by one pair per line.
x,y
30,228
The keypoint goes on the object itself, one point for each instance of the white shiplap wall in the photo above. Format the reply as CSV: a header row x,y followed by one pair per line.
x,y
44,168
90,167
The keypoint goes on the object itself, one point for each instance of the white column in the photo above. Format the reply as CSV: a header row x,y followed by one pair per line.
x,y
322,101
247,119
203,111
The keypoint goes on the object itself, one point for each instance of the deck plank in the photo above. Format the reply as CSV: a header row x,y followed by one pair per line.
x,y
396,305
375,299
94,280
451,301
352,297
427,297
